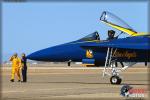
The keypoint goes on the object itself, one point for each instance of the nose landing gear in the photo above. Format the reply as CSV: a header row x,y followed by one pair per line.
x,y
111,69
115,80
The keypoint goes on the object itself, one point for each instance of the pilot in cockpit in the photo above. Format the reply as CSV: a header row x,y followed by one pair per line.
x,y
111,35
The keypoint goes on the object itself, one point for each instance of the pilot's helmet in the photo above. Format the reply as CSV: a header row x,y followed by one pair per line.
x,y
96,33
111,32
15,55
23,55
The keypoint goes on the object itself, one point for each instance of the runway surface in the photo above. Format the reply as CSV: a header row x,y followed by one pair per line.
x,y
61,83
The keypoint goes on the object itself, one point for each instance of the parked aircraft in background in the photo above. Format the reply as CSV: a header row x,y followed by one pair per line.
x,y
91,50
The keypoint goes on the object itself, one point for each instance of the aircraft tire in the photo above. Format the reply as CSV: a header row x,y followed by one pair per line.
x,y
115,80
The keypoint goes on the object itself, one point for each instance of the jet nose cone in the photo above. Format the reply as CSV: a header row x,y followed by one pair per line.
x,y
34,56
57,53
40,55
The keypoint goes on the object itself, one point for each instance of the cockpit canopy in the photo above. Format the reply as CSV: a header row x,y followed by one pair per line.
x,y
113,19
91,37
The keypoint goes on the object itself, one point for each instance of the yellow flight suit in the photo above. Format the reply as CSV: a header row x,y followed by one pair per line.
x,y
16,64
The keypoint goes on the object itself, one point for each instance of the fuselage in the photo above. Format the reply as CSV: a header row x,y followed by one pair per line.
x,y
65,52
131,49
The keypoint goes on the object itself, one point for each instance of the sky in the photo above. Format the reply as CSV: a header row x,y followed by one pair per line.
x,y
28,27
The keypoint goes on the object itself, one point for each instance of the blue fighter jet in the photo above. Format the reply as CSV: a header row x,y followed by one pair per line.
x,y
90,50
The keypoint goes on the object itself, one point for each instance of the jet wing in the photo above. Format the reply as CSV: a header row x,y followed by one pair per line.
x,y
117,23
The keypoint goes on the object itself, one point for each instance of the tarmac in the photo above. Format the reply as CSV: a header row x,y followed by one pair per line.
x,y
71,83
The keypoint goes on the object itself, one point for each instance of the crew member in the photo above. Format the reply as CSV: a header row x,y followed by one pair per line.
x,y
111,35
24,67
16,64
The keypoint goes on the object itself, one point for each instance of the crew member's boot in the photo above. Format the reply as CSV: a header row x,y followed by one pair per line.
x,y
12,80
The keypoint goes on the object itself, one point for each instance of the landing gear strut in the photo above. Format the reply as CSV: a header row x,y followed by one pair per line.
x,y
111,69
69,62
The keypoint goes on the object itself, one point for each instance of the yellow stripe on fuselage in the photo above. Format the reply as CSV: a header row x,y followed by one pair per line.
x,y
97,41
140,34
93,41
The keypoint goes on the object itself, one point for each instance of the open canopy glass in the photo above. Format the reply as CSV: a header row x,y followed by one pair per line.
x,y
113,19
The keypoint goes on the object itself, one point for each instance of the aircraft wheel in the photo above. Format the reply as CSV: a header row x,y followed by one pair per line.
x,y
115,80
